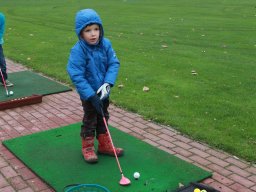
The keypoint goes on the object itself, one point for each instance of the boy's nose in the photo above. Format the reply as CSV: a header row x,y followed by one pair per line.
x,y
93,32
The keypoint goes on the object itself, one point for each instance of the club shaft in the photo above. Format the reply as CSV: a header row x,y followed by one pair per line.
x,y
114,149
4,82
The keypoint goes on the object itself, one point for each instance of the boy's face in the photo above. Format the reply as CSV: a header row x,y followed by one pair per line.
x,y
91,34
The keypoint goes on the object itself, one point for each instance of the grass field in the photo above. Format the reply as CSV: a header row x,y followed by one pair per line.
x,y
159,44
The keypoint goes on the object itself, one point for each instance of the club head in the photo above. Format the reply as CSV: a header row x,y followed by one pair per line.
x,y
124,181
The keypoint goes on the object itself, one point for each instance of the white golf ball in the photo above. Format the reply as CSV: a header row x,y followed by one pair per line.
x,y
136,175
10,92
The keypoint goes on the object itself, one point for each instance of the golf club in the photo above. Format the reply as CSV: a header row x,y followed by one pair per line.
x,y
124,180
7,93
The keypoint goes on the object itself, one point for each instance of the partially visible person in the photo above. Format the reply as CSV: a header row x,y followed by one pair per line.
x,y
2,59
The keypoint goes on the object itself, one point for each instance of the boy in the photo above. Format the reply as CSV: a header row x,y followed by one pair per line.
x,y
2,59
93,68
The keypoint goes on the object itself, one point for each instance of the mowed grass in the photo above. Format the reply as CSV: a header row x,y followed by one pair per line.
x,y
159,44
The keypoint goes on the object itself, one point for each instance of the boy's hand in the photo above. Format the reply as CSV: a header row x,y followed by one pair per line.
x,y
97,103
104,91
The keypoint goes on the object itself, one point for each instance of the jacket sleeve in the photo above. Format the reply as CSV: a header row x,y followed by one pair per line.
x,y
113,64
2,26
76,69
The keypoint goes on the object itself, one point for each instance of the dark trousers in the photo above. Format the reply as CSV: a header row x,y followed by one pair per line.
x,y
92,121
2,63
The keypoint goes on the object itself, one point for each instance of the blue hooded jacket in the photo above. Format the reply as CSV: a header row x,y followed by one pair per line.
x,y
2,25
90,66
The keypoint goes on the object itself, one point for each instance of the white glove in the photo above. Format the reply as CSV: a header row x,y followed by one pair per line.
x,y
104,91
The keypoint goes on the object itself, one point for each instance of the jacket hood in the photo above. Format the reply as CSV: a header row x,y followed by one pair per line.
x,y
86,17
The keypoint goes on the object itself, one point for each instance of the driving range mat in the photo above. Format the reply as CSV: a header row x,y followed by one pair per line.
x,y
28,83
55,156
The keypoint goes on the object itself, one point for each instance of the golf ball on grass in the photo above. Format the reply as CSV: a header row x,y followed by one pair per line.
x,y
10,92
136,175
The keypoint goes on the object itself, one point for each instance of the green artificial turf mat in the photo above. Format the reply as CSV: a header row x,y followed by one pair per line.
x,y
55,156
27,83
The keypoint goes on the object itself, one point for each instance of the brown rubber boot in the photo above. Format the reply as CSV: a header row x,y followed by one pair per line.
x,y
88,150
105,147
